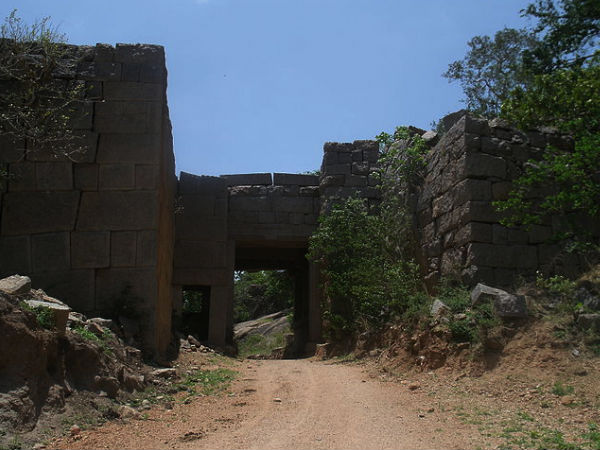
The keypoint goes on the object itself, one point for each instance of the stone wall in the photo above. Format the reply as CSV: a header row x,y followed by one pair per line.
x,y
217,215
457,226
472,166
284,207
347,170
96,230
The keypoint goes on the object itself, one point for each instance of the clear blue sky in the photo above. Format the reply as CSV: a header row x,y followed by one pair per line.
x,y
260,85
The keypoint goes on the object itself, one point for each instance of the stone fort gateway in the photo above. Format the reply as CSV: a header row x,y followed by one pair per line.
x,y
113,231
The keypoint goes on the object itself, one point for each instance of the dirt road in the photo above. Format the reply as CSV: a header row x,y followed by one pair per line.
x,y
291,404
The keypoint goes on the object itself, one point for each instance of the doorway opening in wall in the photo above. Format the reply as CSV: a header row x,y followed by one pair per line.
x,y
263,311
195,312
282,268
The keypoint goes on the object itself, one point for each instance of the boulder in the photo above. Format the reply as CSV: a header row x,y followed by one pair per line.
x,y
431,138
505,305
15,285
164,373
439,309
587,299
110,385
98,330
60,312
589,321
75,319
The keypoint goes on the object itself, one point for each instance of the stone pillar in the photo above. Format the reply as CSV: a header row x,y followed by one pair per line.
x,y
220,299
314,304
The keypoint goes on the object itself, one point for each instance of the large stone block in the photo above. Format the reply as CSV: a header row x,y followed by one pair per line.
x,y
82,115
21,176
248,203
117,289
153,73
481,165
57,176
116,177
200,254
85,177
443,204
243,217
476,211
146,176
11,150
123,90
130,72
50,252
123,246
338,169
503,256
474,232
81,149
472,189
15,255
198,206
193,229
147,244
101,70
128,117
73,287
132,148
264,179
100,211
501,190
90,249
476,126
295,205
37,212
194,184
201,276
333,180
266,217
309,191
338,147
293,178
140,54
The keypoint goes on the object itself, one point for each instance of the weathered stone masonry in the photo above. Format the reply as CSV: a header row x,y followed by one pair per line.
x,y
246,221
114,229
457,226
88,229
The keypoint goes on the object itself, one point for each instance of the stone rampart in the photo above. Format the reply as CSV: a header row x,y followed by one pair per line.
x,y
97,230
459,230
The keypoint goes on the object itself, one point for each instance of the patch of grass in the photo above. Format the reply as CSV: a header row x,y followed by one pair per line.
x,y
525,416
208,382
257,344
102,341
561,389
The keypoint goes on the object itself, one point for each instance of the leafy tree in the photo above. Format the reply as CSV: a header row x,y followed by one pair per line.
x,y
547,75
569,31
263,292
491,69
38,95
365,253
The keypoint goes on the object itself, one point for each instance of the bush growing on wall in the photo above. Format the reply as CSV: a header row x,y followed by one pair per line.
x,y
366,254
39,96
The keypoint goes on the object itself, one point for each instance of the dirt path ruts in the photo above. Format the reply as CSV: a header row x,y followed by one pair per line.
x,y
291,404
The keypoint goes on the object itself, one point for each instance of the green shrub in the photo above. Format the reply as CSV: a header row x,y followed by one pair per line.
x,y
43,315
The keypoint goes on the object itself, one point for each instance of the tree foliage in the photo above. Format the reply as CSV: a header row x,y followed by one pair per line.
x,y
262,292
366,253
569,31
491,69
38,95
551,76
